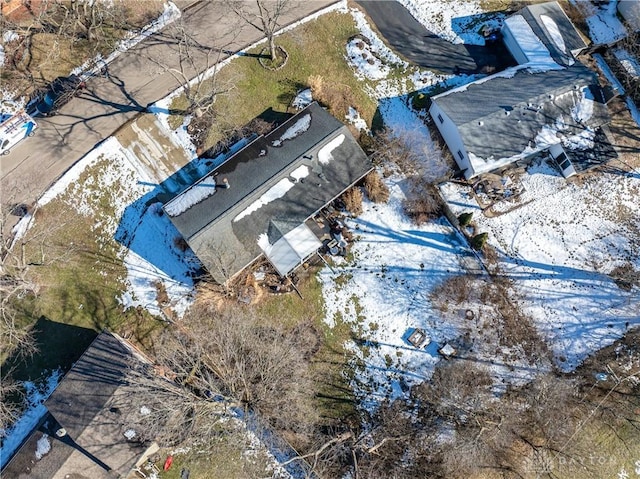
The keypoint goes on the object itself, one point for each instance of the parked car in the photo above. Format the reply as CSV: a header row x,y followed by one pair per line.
x,y
59,92
15,129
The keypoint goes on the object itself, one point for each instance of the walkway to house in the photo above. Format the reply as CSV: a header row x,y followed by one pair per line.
x,y
414,42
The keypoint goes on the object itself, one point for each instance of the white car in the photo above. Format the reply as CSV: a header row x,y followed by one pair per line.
x,y
15,129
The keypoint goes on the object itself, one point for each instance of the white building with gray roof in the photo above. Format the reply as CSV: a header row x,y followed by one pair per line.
x,y
549,99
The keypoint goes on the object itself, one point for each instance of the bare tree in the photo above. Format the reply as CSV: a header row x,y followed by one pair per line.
x,y
18,256
264,16
213,360
197,68
75,30
412,153
15,284
10,395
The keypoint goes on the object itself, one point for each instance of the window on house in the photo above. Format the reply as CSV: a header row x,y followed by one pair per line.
x,y
460,155
440,118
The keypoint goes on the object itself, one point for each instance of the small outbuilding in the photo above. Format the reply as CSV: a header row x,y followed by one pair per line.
x,y
541,30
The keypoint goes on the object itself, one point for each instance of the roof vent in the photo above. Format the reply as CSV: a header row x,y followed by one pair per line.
x,y
507,113
480,123
575,87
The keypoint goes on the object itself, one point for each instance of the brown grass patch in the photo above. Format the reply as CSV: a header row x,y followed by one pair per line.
x,y
376,189
337,97
454,289
423,201
352,199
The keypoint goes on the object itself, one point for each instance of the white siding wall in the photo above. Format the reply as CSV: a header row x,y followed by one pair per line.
x,y
512,45
449,132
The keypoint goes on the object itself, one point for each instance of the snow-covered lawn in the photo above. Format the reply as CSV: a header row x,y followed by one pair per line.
x,y
454,20
559,246
384,293
146,237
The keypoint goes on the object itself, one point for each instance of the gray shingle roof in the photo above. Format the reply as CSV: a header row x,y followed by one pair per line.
x,y
83,404
212,228
89,384
500,116
571,37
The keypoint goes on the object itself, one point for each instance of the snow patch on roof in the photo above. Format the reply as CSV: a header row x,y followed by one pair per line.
x,y
36,395
324,155
604,25
298,128
554,32
290,250
583,110
43,446
192,196
531,45
277,191
582,141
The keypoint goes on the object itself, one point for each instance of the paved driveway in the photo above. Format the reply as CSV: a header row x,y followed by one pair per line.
x,y
413,41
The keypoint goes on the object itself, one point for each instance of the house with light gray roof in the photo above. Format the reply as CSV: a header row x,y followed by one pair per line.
x,y
548,25
513,115
550,102
260,200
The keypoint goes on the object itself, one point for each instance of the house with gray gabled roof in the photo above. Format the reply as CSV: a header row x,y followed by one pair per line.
x,y
259,200
550,102
542,27
515,114
85,434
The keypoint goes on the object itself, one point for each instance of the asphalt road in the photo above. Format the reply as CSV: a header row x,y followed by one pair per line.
x,y
135,79
413,41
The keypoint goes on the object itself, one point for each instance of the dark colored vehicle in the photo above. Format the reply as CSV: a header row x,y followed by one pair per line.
x,y
59,92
